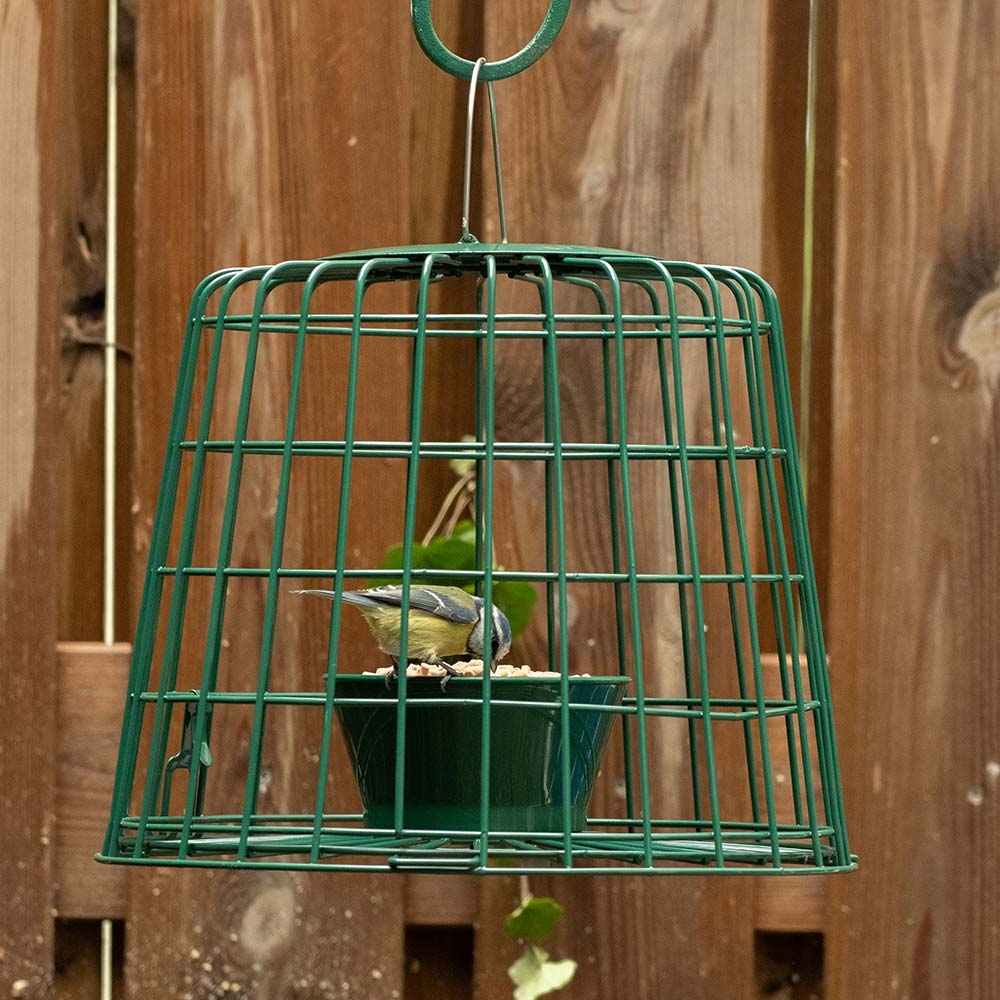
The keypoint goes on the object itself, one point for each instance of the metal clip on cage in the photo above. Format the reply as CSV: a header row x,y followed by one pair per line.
x,y
668,553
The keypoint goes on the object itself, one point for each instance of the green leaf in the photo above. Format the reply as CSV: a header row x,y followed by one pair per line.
x,y
394,560
534,920
515,599
466,531
534,975
394,557
451,553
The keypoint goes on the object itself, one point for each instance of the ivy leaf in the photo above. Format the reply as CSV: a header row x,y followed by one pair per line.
x,y
534,920
451,553
441,553
466,531
394,557
534,975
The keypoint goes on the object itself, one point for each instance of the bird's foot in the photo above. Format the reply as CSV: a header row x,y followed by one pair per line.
x,y
449,671
393,674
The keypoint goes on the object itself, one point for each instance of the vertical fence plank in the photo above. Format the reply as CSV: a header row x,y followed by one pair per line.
x,y
31,287
915,599
265,132
642,128
82,330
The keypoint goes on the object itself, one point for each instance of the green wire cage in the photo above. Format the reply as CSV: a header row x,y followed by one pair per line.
x,y
683,724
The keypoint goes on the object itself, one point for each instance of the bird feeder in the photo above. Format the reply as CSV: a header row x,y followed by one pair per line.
x,y
682,722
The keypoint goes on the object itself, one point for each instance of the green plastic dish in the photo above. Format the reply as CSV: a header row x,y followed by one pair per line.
x,y
443,778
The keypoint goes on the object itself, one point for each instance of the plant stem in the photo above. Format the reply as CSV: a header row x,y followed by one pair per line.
x,y
453,494
461,504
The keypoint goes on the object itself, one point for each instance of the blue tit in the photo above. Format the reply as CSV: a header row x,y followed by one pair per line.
x,y
442,621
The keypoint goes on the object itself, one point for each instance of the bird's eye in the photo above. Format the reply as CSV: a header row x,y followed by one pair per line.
x,y
495,643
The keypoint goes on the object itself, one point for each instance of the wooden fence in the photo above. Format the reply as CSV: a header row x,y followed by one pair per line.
x,y
254,132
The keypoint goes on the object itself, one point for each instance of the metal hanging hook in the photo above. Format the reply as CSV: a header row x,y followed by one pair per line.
x,y
442,56
467,237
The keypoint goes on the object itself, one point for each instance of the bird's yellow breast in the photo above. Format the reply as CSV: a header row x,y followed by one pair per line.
x,y
428,637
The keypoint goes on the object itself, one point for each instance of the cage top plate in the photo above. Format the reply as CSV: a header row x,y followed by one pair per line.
x,y
492,249
512,258
509,257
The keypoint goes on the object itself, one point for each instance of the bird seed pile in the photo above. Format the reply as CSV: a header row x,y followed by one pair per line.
x,y
466,668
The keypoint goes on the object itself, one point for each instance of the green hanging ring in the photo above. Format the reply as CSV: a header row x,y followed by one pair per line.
x,y
442,56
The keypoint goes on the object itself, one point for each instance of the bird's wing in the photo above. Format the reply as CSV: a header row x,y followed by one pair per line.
x,y
434,601
354,596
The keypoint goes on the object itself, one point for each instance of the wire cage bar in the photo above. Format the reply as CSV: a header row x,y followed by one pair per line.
x,y
685,725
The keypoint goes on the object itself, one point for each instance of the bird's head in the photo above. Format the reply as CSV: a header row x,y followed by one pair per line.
x,y
499,632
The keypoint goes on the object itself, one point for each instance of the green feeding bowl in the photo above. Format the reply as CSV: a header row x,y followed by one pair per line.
x,y
444,738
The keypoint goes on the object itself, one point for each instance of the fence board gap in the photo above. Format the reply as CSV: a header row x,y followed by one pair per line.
x,y
789,966
438,963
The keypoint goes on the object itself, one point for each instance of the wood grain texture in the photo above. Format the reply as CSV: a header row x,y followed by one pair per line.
x,y
494,951
82,329
31,201
784,251
915,601
641,128
441,900
791,905
437,152
266,133
785,235
92,677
